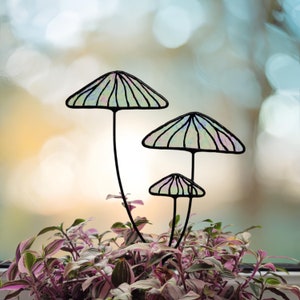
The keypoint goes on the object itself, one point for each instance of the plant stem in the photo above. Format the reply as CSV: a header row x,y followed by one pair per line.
x,y
50,276
252,275
71,244
190,202
173,221
119,178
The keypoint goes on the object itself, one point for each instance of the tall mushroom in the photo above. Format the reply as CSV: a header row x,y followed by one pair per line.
x,y
193,132
176,185
116,91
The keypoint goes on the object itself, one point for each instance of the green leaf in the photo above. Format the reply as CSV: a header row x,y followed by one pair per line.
x,y
118,225
218,226
29,260
255,288
208,230
122,273
139,221
74,224
47,229
77,222
251,227
199,267
272,281
177,219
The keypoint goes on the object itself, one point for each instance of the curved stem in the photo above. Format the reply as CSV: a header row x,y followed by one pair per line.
x,y
190,203
173,221
119,179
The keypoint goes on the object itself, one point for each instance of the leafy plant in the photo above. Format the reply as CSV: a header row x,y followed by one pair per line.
x,y
79,263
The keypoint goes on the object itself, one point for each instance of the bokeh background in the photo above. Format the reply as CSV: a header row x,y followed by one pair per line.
x,y
234,60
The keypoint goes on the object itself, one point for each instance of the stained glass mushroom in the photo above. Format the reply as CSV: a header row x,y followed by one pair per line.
x,y
176,185
193,132
117,90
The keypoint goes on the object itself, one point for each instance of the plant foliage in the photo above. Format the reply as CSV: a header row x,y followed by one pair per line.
x,y
80,263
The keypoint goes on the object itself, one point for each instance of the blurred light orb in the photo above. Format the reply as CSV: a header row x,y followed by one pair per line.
x,y
295,15
283,73
242,86
84,69
57,23
30,18
25,65
64,30
52,178
243,9
280,117
212,43
44,184
291,9
172,26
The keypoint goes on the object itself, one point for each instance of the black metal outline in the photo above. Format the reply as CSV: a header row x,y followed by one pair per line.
x,y
123,77
179,180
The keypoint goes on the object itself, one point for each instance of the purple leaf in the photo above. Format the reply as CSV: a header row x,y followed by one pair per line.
x,y
138,202
146,284
21,265
195,285
23,246
101,289
262,254
111,196
12,271
171,291
131,206
88,282
92,231
190,296
269,266
15,285
53,247
13,295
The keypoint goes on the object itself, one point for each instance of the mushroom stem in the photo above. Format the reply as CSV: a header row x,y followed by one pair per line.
x,y
119,178
173,221
190,202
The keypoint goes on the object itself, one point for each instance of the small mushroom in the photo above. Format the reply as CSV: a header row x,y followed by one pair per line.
x,y
116,91
176,185
193,132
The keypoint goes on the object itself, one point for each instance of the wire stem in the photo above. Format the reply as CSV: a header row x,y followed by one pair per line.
x,y
190,203
119,178
173,221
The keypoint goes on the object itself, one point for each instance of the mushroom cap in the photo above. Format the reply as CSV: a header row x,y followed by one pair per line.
x,y
117,90
194,132
176,185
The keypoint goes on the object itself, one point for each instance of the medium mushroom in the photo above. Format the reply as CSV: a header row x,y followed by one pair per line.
x,y
116,91
176,185
193,132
